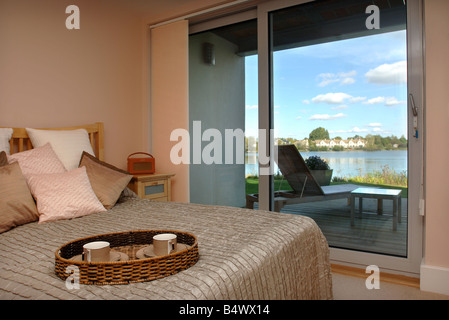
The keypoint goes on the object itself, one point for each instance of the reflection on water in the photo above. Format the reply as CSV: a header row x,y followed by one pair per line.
x,y
348,163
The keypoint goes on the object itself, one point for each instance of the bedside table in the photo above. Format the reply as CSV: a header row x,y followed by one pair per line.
x,y
152,186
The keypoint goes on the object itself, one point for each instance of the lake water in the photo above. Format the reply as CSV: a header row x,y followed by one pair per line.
x,y
349,163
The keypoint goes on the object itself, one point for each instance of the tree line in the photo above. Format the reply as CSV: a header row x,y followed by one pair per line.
x,y
372,142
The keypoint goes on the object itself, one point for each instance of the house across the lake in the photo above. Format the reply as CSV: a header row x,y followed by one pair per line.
x,y
346,144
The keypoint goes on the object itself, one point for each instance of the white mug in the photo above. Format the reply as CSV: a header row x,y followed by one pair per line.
x,y
164,243
96,251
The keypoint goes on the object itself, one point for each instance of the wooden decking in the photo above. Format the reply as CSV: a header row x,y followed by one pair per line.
x,y
371,232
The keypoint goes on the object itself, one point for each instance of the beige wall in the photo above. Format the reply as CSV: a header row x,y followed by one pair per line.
x,y
437,124
51,76
169,99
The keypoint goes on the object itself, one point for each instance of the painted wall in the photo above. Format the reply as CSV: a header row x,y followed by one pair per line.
x,y
169,100
437,120
51,76
217,101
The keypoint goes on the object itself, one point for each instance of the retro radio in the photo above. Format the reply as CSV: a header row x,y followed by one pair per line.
x,y
141,165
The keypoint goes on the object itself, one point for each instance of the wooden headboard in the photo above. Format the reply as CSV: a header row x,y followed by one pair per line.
x,y
21,142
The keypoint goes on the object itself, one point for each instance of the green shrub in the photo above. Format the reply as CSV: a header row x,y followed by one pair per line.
x,y
316,163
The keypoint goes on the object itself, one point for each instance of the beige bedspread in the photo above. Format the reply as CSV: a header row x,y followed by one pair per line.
x,y
244,254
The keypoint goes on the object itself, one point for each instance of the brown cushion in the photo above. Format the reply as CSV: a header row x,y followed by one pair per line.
x,y
17,206
3,159
107,181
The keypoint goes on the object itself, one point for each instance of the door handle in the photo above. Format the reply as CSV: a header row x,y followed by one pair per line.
x,y
413,105
415,115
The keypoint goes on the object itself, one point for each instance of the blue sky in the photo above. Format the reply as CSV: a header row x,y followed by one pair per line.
x,y
355,86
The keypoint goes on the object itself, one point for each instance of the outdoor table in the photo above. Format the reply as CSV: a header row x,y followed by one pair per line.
x,y
380,195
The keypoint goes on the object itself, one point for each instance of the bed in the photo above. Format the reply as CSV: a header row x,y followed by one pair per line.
x,y
243,254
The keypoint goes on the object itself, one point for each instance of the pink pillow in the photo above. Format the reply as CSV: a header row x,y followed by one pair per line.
x,y
41,160
64,195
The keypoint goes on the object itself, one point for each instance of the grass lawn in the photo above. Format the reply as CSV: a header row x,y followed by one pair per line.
x,y
252,186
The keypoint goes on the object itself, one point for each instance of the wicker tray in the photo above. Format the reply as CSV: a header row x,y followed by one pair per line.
x,y
128,271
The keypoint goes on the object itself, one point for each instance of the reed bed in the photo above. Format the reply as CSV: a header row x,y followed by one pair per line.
x,y
385,176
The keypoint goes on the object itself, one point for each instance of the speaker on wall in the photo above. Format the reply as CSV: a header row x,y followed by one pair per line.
x,y
209,53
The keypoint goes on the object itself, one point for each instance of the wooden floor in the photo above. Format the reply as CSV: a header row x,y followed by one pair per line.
x,y
371,233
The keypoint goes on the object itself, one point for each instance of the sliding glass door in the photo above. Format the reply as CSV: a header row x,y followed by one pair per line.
x,y
333,79
340,97
340,87
223,139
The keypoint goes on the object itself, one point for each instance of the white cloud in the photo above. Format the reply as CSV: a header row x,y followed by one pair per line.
x,y
392,101
344,78
327,82
395,73
388,101
347,81
375,125
331,98
337,98
306,101
327,116
352,73
326,75
375,100
357,99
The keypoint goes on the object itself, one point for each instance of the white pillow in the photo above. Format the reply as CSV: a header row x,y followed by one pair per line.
x,y
64,195
67,144
41,160
5,136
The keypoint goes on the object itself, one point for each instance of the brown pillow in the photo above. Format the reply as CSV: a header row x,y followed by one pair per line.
x,y
107,181
17,206
3,159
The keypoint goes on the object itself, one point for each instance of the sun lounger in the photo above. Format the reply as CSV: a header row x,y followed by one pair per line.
x,y
305,187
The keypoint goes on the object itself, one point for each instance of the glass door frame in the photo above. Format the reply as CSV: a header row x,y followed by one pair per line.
x,y
416,192
411,264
